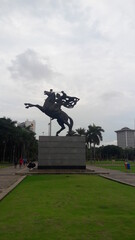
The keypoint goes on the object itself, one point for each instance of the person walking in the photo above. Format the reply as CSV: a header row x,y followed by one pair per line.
x,y
20,162
24,161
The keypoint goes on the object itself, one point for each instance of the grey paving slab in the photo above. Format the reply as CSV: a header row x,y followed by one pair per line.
x,y
115,175
10,177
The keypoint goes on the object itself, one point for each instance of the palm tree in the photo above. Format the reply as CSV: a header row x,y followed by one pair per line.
x,y
71,133
94,136
81,131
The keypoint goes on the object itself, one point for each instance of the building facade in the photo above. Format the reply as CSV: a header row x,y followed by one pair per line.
x,y
27,123
126,138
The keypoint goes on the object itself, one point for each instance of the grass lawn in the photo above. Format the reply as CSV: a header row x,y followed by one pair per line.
x,y
114,165
68,207
121,168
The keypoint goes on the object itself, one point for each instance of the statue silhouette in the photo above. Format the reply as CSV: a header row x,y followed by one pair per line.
x,y
52,108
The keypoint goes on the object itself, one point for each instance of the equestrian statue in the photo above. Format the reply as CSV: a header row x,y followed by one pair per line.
x,y
52,108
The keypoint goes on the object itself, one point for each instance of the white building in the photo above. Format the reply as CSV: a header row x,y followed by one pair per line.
x,y
27,123
126,138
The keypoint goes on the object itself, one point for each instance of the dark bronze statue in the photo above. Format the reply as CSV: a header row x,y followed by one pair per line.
x,y
52,108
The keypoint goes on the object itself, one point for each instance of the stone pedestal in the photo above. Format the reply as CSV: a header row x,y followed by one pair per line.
x,y
61,152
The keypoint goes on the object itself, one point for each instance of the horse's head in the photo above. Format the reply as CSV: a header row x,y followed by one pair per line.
x,y
51,95
48,93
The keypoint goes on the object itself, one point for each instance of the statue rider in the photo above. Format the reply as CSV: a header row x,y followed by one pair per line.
x,y
55,101
66,100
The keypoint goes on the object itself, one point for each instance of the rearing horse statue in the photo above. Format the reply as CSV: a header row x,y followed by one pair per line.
x,y
52,108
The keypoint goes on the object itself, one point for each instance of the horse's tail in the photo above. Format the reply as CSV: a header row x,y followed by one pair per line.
x,y
71,123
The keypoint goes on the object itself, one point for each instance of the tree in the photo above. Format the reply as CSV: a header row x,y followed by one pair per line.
x,y
16,141
71,133
7,130
111,151
81,131
94,136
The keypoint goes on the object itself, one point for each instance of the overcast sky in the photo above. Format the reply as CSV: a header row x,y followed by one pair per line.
x,y
83,47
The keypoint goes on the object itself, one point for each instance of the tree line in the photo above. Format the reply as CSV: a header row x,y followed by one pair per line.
x,y
16,141
93,137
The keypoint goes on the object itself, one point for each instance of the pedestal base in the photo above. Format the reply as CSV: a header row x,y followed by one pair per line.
x,y
61,152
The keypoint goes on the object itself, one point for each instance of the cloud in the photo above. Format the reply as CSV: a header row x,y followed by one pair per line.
x,y
31,67
111,95
84,47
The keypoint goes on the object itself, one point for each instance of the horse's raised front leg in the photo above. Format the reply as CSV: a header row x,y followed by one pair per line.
x,y
28,105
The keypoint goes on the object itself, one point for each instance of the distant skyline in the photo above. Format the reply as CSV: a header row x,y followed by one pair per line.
x,y
83,47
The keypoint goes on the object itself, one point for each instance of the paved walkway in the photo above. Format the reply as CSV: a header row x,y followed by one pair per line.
x,y
11,177
115,175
